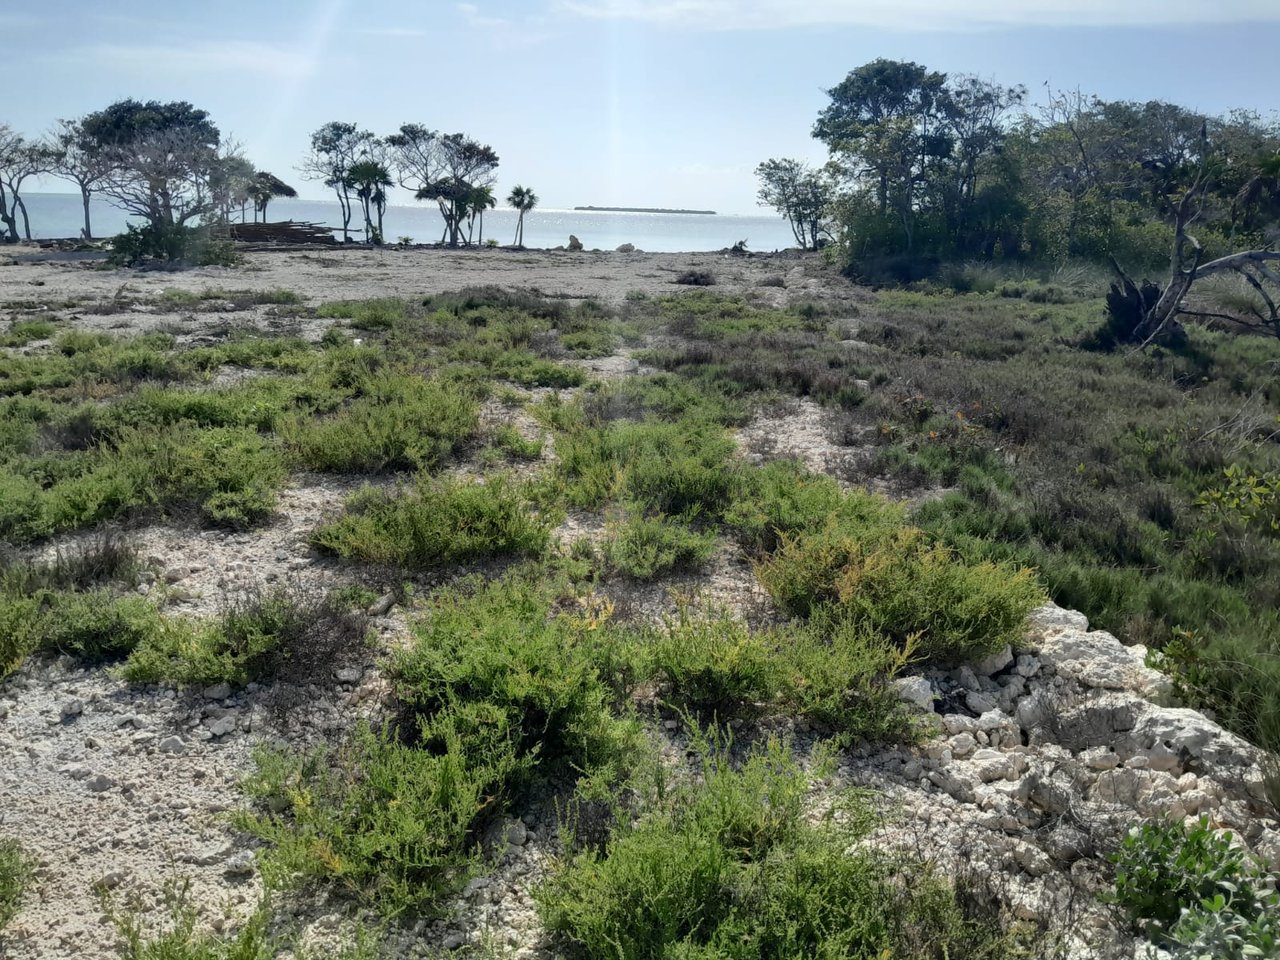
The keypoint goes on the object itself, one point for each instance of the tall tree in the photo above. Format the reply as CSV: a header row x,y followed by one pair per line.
x,y
523,200
78,159
163,159
445,168
20,159
335,149
884,124
799,193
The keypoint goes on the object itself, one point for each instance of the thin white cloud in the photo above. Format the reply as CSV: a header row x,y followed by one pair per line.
x,y
922,14
503,32
394,33
207,56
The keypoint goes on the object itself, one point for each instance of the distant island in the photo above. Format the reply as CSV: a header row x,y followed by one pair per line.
x,y
705,213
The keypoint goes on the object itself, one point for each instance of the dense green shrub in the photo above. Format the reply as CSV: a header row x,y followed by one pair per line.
x,y
1193,888
437,522
898,583
684,468
400,422
554,680
831,669
730,867
644,547
387,822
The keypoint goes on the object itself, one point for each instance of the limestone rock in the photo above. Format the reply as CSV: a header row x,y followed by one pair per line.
x,y
1099,660
915,690
994,663
574,243
627,248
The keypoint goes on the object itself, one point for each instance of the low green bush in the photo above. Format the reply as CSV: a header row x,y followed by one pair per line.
x,y
392,824
378,314
1192,890
401,422
15,875
284,633
783,499
509,440
685,468
437,522
831,669
643,547
556,681
730,867
899,584
23,332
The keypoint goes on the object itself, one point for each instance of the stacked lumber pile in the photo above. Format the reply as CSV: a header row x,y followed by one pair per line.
x,y
287,231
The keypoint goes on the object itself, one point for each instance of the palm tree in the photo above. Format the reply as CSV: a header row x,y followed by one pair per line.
x,y
369,179
524,200
262,188
479,199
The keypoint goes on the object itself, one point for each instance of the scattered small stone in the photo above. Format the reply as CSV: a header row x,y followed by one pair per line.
x,y
72,708
222,726
348,674
382,606
173,744
99,783
239,864
219,691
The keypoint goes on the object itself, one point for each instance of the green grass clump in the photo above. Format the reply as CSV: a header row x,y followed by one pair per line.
x,y
391,823
23,332
501,655
731,867
437,522
900,584
378,314
495,688
281,633
643,547
76,606
680,469
15,875
509,440
181,937
831,669
400,422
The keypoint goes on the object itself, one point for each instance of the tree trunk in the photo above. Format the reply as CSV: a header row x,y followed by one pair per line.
x,y
88,230
26,222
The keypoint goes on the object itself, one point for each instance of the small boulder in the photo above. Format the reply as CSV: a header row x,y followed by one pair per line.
x,y
994,663
575,244
916,691
219,691
627,248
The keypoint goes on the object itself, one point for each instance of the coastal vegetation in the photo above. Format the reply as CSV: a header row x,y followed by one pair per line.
x,y
1033,433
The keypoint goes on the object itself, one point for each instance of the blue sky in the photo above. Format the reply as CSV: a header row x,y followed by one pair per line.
x,y
607,102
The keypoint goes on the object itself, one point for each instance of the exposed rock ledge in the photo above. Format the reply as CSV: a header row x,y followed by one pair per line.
x,y
1045,755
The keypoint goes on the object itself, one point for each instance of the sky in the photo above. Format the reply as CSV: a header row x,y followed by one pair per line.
x,y
661,103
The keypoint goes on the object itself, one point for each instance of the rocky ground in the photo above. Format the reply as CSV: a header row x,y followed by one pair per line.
x,y
1041,755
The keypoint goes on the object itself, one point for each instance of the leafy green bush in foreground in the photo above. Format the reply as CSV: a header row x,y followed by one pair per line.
x,y
437,522
644,547
731,867
1188,888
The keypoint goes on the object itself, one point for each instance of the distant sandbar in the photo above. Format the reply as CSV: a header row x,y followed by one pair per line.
x,y
705,213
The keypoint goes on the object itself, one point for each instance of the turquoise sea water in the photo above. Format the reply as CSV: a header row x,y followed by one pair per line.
x,y
60,215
